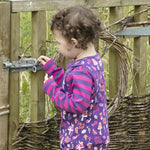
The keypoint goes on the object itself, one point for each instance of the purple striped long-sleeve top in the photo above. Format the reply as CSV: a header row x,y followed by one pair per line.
x,y
80,94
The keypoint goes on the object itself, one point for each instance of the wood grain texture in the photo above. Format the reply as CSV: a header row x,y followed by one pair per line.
x,y
140,57
39,5
4,53
116,13
140,71
14,78
37,79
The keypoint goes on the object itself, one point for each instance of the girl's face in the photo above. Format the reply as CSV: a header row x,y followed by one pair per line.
x,y
65,47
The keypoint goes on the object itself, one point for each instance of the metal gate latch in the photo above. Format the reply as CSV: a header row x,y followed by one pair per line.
x,y
25,65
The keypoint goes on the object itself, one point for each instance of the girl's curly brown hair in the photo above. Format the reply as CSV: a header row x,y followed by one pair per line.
x,y
77,22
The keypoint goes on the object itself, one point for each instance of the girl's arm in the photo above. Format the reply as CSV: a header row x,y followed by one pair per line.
x,y
79,94
51,69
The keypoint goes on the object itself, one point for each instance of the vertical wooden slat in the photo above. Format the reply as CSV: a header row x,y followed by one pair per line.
x,y
38,48
4,54
140,57
14,78
140,70
116,13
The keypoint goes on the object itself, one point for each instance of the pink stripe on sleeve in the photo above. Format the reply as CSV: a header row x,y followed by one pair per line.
x,y
81,86
45,84
76,105
81,78
79,109
57,91
50,87
81,102
47,63
50,69
66,104
61,102
81,93
71,106
59,76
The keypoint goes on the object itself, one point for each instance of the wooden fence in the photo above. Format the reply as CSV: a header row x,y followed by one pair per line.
x,y
9,48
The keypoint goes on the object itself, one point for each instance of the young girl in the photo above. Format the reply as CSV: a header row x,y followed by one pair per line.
x,y
80,91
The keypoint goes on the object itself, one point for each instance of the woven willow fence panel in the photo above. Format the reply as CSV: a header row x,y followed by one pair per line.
x,y
130,126
129,129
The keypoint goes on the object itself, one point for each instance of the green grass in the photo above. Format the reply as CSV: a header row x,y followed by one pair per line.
x,y
24,97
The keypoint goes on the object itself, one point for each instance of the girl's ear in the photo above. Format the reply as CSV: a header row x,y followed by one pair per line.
x,y
74,41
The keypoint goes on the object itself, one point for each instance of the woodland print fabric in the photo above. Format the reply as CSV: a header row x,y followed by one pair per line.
x,y
80,93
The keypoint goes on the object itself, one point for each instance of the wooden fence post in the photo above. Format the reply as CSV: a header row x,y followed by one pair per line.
x,y
4,75
37,79
116,13
140,57
14,79
140,68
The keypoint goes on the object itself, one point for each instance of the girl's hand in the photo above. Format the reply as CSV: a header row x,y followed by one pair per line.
x,y
43,59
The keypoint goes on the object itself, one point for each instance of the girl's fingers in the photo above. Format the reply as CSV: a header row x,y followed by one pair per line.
x,y
42,62
43,59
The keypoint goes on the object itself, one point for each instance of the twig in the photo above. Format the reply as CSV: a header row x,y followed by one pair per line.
x,y
51,41
19,141
25,56
127,18
20,130
25,52
41,121
137,97
111,44
138,23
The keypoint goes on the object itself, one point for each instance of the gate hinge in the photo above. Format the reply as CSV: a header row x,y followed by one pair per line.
x,y
24,65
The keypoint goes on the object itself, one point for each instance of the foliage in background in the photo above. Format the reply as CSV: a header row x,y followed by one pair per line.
x,y
25,86
25,32
24,97
25,40
50,47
